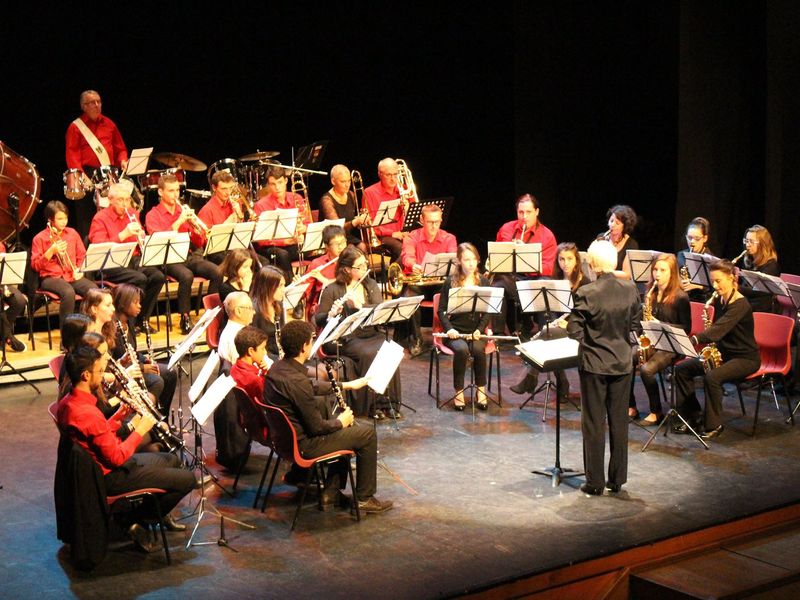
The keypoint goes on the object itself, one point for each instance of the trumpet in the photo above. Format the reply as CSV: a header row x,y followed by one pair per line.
x,y
63,257
140,236
194,220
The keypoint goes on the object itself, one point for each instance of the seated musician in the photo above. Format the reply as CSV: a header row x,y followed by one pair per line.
x,y
119,223
92,140
239,308
220,208
333,237
170,215
666,302
283,252
252,364
318,432
429,238
568,267
732,332
351,291
390,235
56,253
159,380
15,302
526,229
621,223
339,202
123,470
760,255
461,325
267,295
697,233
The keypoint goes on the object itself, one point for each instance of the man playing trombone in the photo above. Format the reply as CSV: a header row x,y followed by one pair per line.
x,y
391,235
119,223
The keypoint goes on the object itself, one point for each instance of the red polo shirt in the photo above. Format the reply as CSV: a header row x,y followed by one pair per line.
x,y
214,212
373,196
271,202
52,268
540,234
416,244
107,225
159,219
80,154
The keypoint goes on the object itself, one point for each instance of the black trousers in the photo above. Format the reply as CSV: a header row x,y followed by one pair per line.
x,y
185,273
461,352
685,399
508,313
360,438
162,386
281,257
148,279
152,470
605,397
393,246
14,305
66,291
648,372
410,331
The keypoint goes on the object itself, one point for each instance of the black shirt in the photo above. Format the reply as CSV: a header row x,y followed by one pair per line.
x,y
732,330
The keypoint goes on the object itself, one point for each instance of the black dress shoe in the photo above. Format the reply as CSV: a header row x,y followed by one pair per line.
x,y
143,539
526,386
458,407
590,490
378,415
186,324
713,433
170,524
483,404
614,488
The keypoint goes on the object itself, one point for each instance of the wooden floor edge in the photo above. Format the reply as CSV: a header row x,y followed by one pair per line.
x,y
649,555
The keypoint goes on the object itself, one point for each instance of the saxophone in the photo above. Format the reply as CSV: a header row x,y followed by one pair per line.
x,y
710,356
645,349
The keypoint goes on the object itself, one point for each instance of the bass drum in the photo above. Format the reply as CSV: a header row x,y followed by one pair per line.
x,y
20,186
148,181
231,165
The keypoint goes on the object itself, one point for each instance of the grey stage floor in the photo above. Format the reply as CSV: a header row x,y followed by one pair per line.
x,y
468,511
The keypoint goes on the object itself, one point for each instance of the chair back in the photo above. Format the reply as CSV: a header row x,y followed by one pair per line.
x,y
438,327
697,317
55,365
52,410
773,335
213,330
283,437
253,418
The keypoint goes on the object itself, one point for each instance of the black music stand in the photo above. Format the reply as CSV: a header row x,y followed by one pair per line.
x,y
473,299
699,268
516,260
413,217
229,236
641,264
547,356
107,255
201,410
312,239
545,296
672,339
161,249
12,272
278,224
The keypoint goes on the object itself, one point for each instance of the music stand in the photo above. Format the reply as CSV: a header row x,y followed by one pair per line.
x,y
107,255
310,156
12,272
386,213
413,217
672,339
514,258
699,268
547,356
201,410
278,224
164,248
473,299
312,240
437,265
229,236
641,264
293,294
547,296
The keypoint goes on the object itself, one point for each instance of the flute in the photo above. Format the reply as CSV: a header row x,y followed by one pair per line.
x,y
483,337
339,303
310,273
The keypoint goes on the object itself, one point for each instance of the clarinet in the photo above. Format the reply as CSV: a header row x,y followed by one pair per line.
x,y
340,403
278,337
138,400
130,352
149,343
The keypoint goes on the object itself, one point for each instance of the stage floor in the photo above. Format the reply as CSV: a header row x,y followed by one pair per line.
x,y
468,511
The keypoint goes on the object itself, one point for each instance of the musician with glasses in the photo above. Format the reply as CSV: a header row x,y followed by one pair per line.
x,y
119,223
760,255
391,235
697,233
339,202
56,253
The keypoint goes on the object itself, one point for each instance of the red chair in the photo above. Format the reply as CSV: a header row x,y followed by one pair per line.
x,y
48,297
254,422
774,336
55,365
215,327
439,347
283,439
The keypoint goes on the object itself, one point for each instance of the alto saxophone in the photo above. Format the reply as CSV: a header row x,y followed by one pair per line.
x,y
645,349
710,356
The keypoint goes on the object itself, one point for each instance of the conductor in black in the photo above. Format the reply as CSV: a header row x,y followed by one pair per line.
x,y
605,313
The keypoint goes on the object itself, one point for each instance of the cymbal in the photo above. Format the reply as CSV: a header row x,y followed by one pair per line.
x,y
180,161
261,155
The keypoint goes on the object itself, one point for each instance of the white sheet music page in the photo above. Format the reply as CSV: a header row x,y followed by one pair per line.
x,y
384,366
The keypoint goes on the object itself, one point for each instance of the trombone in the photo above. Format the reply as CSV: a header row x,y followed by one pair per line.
x,y
299,187
368,236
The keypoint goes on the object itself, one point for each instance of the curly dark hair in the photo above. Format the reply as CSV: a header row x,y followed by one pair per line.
x,y
626,214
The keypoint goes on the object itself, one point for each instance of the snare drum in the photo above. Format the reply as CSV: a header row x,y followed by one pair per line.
x,y
76,184
149,180
231,165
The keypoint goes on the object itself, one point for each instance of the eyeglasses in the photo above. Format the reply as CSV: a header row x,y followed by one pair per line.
x,y
245,307
747,242
360,266
433,222
694,238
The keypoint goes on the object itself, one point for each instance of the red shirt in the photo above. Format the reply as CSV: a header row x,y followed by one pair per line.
x,y
159,219
270,202
107,225
80,154
373,196
52,268
540,234
78,415
416,244
214,213
250,378
314,290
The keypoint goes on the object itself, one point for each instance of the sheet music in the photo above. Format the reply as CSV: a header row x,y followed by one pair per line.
x,y
323,335
137,161
212,363
203,408
542,351
384,365
14,272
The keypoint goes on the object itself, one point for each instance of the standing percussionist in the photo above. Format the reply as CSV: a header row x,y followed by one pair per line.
x,y
527,229
391,235
283,252
92,140
604,314
339,202
119,223
429,238
56,254
169,215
